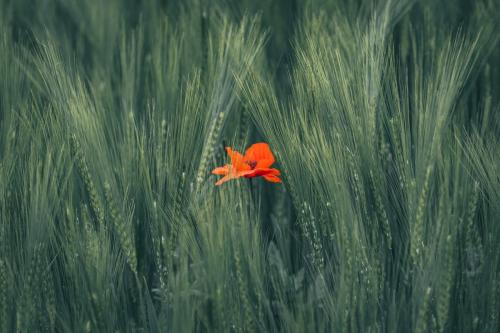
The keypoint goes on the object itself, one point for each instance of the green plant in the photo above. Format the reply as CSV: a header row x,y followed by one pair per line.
x,y
384,117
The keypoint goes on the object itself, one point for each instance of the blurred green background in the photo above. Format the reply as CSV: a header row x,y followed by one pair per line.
x,y
384,119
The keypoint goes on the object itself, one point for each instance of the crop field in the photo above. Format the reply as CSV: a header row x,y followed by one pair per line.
x,y
250,166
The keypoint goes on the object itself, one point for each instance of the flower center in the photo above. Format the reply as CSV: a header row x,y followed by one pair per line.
x,y
252,164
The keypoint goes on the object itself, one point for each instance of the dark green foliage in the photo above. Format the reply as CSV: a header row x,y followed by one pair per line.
x,y
384,117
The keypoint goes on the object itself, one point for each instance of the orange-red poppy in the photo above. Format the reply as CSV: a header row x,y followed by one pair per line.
x,y
256,163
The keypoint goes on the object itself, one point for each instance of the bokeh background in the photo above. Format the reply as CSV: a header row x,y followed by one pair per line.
x,y
384,119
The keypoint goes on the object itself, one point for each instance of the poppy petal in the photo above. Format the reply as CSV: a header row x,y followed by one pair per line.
x,y
274,172
260,153
225,179
246,173
272,178
261,172
237,159
221,170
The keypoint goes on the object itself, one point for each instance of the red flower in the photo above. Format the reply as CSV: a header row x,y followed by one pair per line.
x,y
256,163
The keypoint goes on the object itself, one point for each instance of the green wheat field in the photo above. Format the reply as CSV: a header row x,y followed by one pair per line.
x,y
383,117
